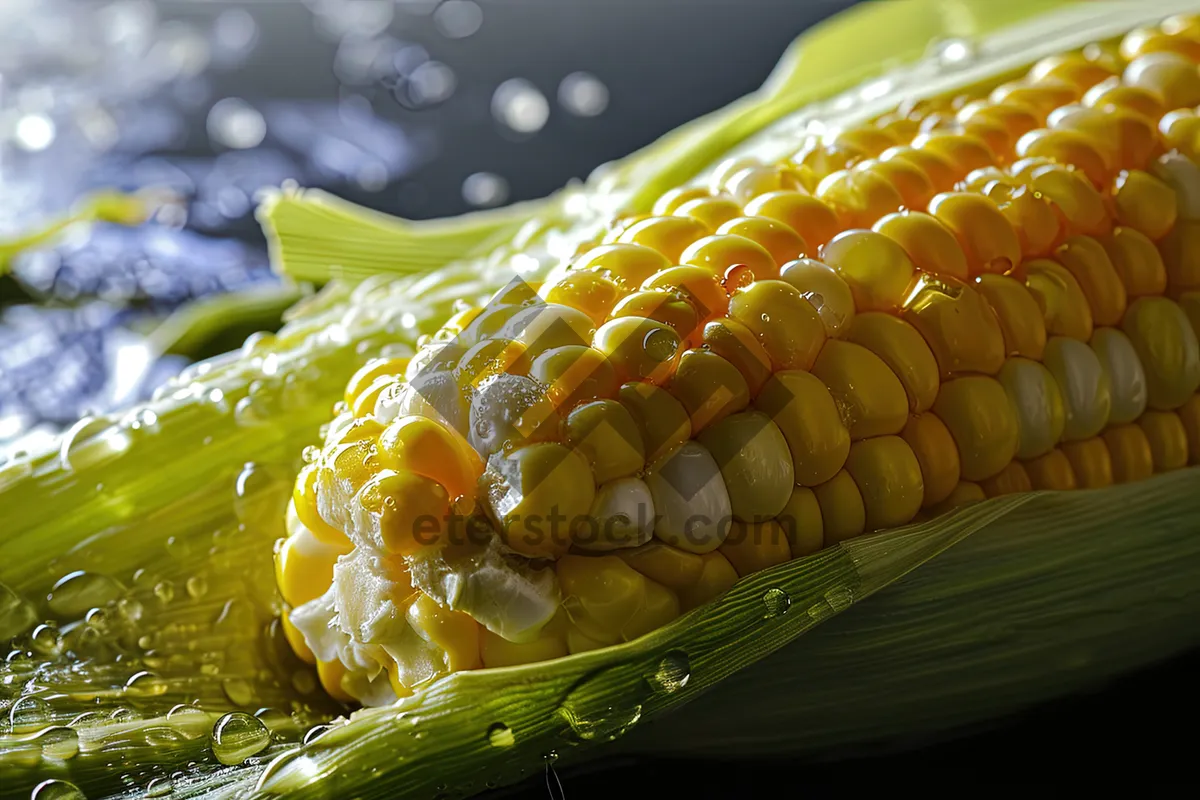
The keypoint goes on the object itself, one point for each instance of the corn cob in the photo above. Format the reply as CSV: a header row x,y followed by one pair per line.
x,y
974,295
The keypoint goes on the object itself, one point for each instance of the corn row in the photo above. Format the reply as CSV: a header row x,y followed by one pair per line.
x,y
971,296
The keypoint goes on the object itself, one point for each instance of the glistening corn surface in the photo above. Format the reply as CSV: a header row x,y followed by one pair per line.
x,y
971,296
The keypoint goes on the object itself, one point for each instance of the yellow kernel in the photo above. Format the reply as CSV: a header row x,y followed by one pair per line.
x,y
1018,313
1168,439
1189,415
660,562
801,522
1137,262
913,185
1126,139
670,308
1073,68
735,343
627,264
783,243
1041,97
1013,479
1167,346
965,493
708,387
821,286
370,372
1168,75
1081,205
673,199
1088,262
719,253
814,221
1090,463
964,151
698,285
1032,216
295,638
977,412
930,245
1051,472
889,480
662,422
1067,147
1141,41
754,546
805,412
877,270
668,235
785,324
574,374
585,290
716,578
936,454
330,674
1058,294
942,174
1181,256
305,499
843,513
490,357
868,394
988,239
424,446
1129,450
905,352
712,211
408,511
959,326
859,198
639,349
1112,93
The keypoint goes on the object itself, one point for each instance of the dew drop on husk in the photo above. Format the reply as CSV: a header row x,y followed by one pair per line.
x,y
673,673
160,787
238,736
57,790
59,743
16,614
599,716
28,712
500,735
79,591
777,602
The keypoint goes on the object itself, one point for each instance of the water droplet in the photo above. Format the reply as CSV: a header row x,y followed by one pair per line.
x,y
146,684
311,454
237,736
57,790
46,639
16,614
76,592
91,441
164,591
162,736
840,598
600,717
954,51
673,673
130,608
316,732
500,735
236,124
197,586
777,602
160,787
185,714
485,189
97,619
29,712
238,691
59,742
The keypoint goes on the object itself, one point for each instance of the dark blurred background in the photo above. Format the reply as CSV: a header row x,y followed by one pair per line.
x,y
420,108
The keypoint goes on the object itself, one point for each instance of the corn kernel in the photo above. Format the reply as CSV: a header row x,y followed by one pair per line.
x,y
454,632
601,594
1189,415
1168,439
691,503
330,674
717,577
734,342
889,479
425,447
801,405
1085,386
586,290
574,374
491,357
605,434
535,493
801,522
1020,318
551,643
936,454
1127,378
1081,205
661,420
785,324
877,270
668,235
1037,400
941,172
659,607
1112,93
1042,96
959,326
700,286
1063,304
1032,216
295,638
627,264
639,349
371,371
712,211
904,351
669,201
1090,463
719,253
1167,347
930,245
783,243
859,198
988,239
1137,262
869,395
843,513
1087,261
744,185
754,546
1051,472
304,566
1073,68
814,221
304,498
1129,450
670,308
708,387
964,151
913,185
755,462
1068,147
821,286
669,566
1141,41
1168,75
1013,479
977,412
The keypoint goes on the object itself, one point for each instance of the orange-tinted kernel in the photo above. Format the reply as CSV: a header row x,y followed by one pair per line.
x,y
930,245
986,236
811,218
783,243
